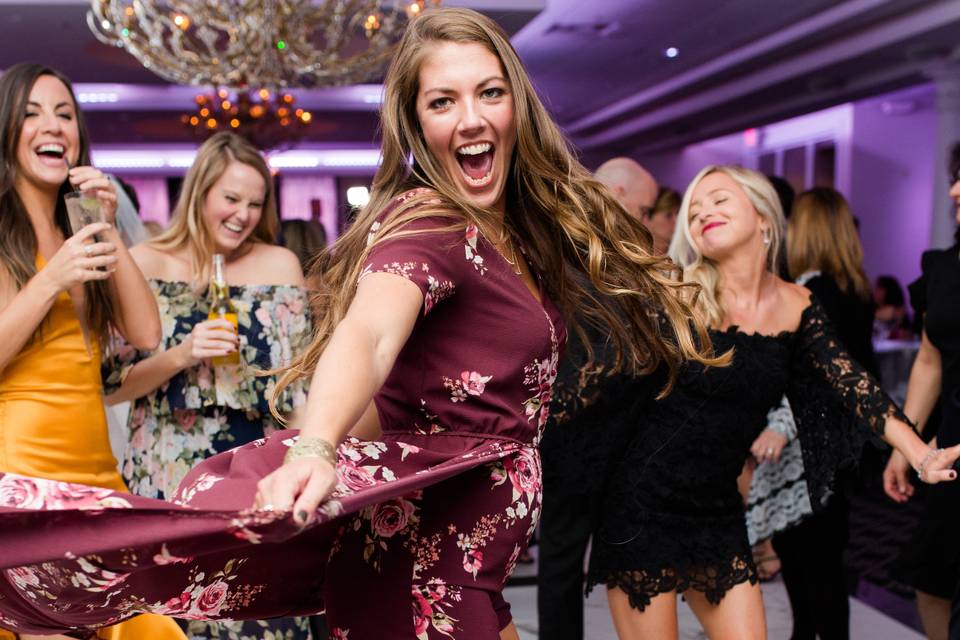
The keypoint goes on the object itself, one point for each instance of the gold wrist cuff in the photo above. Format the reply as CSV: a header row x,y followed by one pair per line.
x,y
311,448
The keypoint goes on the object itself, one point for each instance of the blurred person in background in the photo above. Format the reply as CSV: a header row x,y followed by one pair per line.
x,y
153,228
891,319
824,255
61,294
305,238
661,220
589,417
931,561
185,407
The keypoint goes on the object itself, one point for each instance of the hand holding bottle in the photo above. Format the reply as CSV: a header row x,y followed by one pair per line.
x,y
209,339
222,309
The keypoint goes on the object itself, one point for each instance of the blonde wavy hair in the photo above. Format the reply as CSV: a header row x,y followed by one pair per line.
x,y
188,226
703,271
569,224
822,237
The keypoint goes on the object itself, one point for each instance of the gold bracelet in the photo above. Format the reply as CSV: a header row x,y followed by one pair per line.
x,y
311,448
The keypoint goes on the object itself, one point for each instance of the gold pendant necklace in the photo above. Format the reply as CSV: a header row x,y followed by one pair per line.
x,y
506,241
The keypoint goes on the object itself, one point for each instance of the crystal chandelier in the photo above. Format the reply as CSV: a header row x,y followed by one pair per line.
x,y
269,120
256,43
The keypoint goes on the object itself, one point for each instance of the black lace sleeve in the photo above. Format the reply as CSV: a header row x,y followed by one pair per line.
x,y
837,404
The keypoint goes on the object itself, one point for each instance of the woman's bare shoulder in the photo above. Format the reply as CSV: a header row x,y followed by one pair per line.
x,y
270,264
794,299
154,263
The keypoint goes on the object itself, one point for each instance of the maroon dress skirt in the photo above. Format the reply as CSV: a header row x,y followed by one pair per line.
x,y
423,528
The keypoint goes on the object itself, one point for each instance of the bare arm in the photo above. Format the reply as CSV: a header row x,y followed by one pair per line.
x,y
207,340
923,390
21,312
138,317
370,336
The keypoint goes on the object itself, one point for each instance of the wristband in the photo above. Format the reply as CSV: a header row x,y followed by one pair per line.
x,y
311,448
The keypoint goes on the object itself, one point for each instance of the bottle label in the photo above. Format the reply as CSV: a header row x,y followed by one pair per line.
x,y
231,359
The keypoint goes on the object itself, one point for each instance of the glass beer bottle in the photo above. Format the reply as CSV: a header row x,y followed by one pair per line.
x,y
221,308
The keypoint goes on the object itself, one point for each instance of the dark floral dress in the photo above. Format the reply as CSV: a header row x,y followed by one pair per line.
x,y
205,410
422,530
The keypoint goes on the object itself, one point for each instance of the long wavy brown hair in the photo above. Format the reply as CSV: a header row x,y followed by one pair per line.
x,y
18,242
188,226
597,262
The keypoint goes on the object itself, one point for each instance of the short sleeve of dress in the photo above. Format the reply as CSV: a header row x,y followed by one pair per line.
x,y
430,252
838,406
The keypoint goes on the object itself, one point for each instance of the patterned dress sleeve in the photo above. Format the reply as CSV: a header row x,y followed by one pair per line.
x,y
430,252
838,406
780,419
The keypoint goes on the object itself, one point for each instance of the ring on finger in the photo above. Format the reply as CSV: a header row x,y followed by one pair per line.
x,y
87,249
769,451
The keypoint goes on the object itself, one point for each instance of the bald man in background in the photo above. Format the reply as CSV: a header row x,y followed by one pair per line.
x,y
590,418
631,184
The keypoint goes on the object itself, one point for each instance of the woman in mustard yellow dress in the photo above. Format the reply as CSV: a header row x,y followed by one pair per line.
x,y
60,296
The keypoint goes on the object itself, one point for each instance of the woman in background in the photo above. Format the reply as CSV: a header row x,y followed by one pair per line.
x,y
891,319
673,519
305,238
184,408
931,562
661,220
824,255
60,296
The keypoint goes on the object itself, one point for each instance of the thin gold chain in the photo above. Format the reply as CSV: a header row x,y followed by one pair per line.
x,y
507,241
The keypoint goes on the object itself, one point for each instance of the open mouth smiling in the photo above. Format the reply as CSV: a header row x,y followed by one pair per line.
x,y
51,150
476,163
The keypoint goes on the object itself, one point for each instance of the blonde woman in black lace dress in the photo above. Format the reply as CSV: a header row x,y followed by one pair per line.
x,y
673,519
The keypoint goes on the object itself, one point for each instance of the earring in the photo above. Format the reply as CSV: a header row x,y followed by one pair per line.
x,y
765,234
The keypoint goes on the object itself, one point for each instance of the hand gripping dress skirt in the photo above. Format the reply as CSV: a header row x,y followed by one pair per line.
x,y
424,526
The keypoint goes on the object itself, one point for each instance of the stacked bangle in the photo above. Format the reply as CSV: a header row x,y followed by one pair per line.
x,y
311,448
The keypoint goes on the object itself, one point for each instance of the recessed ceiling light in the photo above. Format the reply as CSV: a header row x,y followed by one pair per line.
x,y
671,52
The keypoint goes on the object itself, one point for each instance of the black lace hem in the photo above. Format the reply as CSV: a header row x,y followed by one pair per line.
x,y
642,586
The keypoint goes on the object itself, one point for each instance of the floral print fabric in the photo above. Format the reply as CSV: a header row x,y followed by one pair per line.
x,y
205,410
427,522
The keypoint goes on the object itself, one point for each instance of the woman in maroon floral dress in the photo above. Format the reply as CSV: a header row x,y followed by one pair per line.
x,y
439,326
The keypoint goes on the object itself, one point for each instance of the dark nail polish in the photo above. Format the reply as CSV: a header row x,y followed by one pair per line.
x,y
302,516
